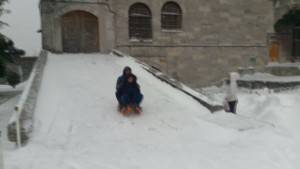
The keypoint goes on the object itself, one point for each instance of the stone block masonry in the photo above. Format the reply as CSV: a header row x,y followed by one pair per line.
x,y
216,36
27,106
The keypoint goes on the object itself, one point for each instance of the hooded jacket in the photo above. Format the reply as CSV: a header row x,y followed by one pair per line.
x,y
131,89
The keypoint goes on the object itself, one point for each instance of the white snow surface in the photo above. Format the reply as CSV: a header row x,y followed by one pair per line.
x,y
77,125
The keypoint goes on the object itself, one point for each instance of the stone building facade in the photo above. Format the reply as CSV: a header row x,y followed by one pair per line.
x,y
211,39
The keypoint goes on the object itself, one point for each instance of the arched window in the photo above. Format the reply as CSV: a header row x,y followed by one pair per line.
x,y
171,16
140,21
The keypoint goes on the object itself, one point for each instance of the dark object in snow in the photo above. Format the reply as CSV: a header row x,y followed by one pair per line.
x,y
131,93
128,93
232,106
8,52
120,82
8,59
13,79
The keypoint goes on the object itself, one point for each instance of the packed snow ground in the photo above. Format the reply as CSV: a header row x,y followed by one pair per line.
x,y
77,125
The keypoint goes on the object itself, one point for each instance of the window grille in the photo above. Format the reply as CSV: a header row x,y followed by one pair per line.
x,y
140,22
171,16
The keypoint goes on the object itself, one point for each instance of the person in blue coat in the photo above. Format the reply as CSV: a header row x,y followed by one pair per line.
x,y
120,82
131,94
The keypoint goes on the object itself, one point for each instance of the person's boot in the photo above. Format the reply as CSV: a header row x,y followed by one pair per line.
x,y
120,107
124,111
137,109
130,109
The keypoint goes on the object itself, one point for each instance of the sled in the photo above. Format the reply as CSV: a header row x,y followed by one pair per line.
x,y
130,110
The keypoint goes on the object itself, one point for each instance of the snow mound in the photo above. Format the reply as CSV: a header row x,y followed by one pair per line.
x,y
77,126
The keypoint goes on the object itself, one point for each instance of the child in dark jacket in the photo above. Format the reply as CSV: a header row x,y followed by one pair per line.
x,y
121,81
131,93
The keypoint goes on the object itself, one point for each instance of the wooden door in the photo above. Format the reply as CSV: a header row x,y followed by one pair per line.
x,y
274,52
80,32
296,45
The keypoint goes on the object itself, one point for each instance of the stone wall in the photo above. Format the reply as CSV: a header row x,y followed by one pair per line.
x,y
215,22
27,103
217,36
51,23
26,64
276,86
199,66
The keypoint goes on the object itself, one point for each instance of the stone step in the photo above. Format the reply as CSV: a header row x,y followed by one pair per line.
x,y
283,69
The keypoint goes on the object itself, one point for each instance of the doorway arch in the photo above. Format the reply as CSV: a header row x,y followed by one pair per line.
x,y
80,32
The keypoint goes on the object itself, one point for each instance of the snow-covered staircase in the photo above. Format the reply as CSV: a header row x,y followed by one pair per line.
x,y
275,76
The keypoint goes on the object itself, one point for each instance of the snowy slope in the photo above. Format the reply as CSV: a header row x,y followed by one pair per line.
x,y
77,126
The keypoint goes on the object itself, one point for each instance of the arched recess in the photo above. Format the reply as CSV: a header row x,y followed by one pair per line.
x,y
171,16
288,32
80,32
140,21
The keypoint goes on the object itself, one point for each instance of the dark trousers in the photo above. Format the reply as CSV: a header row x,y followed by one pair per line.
x,y
135,100
232,106
118,96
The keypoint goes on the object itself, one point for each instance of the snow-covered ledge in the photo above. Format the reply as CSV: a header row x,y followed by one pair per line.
x,y
202,99
270,81
25,108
